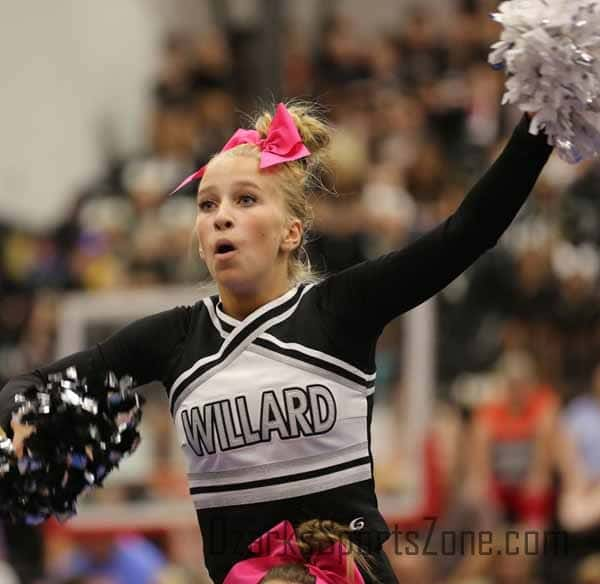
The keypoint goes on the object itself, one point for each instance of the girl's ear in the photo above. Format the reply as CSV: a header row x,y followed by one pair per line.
x,y
293,235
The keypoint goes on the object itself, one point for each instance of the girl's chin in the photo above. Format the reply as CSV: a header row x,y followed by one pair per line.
x,y
235,283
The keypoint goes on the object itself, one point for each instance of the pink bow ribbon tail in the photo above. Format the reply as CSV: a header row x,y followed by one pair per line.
x,y
186,181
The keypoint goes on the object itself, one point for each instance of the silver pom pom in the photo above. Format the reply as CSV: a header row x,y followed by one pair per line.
x,y
551,53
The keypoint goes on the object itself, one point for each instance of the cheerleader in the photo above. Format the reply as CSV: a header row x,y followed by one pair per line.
x,y
271,382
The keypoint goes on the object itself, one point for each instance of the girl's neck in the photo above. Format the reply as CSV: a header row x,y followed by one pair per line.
x,y
239,306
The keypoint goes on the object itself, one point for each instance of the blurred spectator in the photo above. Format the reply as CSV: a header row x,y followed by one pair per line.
x,y
578,310
337,238
581,418
180,575
510,568
120,560
87,580
588,571
173,86
341,59
413,568
575,447
511,463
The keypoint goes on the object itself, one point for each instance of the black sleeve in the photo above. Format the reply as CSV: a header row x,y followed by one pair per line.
x,y
146,349
369,295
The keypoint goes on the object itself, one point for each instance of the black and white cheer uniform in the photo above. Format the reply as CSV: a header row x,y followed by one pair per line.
x,y
273,412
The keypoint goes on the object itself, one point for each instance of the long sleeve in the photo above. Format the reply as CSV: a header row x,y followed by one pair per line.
x,y
369,295
145,349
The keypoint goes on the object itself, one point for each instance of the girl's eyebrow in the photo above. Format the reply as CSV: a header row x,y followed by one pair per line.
x,y
205,190
239,184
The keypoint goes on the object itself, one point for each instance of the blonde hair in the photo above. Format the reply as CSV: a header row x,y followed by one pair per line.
x,y
299,180
317,535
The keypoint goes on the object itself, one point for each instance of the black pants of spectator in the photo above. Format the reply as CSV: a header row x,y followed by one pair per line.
x,y
560,565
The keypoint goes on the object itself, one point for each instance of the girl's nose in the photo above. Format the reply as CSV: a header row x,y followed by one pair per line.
x,y
223,219
223,223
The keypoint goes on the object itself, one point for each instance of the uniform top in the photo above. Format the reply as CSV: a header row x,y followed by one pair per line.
x,y
273,412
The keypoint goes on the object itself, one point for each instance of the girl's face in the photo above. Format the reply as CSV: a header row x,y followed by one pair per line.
x,y
244,233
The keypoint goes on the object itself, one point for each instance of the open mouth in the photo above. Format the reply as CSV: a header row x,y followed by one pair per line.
x,y
224,248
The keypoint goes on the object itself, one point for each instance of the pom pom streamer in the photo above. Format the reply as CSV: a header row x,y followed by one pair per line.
x,y
551,52
81,434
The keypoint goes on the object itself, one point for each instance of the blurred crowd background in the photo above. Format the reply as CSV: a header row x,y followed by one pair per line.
x,y
512,439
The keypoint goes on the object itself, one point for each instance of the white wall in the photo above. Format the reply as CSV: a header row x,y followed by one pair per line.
x,y
71,71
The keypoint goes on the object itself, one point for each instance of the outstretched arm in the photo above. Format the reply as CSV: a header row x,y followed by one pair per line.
x,y
374,292
145,349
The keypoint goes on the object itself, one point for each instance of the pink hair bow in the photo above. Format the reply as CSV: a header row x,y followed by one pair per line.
x,y
278,547
282,144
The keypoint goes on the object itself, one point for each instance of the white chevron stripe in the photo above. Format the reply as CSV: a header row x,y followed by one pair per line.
x,y
319,355
231,357
320,371
235,333
208,302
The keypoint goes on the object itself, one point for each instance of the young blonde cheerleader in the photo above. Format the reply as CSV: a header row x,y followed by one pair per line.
x,y
271,381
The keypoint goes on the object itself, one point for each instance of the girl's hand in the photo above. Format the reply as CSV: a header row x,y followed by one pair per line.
x,y
20,432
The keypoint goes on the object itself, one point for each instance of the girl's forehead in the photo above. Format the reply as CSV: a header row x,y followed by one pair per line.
x,y
224,173
229,165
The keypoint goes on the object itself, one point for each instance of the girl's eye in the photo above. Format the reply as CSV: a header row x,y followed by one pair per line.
x,y
205,205
247,199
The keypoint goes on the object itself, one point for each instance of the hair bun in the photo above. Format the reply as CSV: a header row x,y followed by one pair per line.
x,y
314,130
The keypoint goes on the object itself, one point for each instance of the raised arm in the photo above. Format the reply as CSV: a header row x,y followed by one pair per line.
x,y
145,349
374,292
